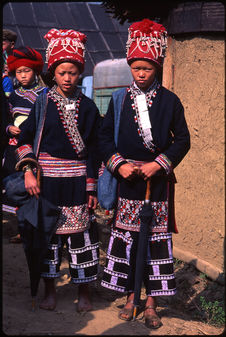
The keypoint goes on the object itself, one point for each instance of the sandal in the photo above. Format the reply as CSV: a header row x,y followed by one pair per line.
x,y
152,321
127,312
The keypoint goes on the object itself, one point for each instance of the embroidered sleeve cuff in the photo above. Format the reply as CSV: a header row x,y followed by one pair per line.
x,y
25,154
114,161
91,185
101,170
23,151
165,162
7,130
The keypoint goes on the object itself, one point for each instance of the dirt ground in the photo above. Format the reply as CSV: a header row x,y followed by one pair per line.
x,y
181,315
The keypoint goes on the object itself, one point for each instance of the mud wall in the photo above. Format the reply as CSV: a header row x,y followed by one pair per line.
x,y
195,70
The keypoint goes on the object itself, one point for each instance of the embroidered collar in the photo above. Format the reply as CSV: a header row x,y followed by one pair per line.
x,y
68,111
30,93
135,90
32,88
150,94
64,100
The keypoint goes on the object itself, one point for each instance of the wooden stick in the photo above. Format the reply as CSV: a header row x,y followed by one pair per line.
x,y
39,176
134,312
146,201
148,191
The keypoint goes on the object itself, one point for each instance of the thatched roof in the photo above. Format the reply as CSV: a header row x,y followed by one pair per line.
x,y
179,16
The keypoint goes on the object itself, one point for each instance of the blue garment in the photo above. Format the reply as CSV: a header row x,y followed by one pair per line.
x,y
7,85
107,183
20,102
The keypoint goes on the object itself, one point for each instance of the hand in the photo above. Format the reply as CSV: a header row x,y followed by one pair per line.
x,y
128,171
6,70
149,169
92,201
31,184
14,130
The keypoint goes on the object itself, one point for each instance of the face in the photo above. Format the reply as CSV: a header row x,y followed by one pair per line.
x,y
66,77
25,75
7,46
143,73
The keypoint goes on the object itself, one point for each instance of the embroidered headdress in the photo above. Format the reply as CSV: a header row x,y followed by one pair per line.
x,y
25,56
65,45
146,40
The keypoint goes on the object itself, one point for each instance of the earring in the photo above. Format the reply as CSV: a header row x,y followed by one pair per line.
x,y
16,83
36,79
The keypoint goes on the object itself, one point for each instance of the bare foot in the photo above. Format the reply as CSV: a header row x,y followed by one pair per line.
x,y
84,300
127,312
49,301
152,320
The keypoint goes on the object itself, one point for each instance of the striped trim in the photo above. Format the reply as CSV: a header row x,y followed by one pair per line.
x,y
84,280
85,264
91,184
112,287
58,167
165,162
23,151
118,274
114,161
21,111
101,169
163,292
8,209
29,94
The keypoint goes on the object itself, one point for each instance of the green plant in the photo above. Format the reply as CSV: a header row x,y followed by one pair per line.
x,y
213,311
203,276
177,262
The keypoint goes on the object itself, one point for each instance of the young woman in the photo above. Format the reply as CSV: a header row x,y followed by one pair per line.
x,y
153,139
69,167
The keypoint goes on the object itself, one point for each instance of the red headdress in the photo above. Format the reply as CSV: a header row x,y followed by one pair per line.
x,y
146,40
65,45
25,56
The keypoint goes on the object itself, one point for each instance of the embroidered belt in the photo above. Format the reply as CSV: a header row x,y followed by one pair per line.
x,y
59,167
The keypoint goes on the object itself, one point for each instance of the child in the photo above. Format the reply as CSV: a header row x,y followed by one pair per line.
x,y
69,169
153,139
25,64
